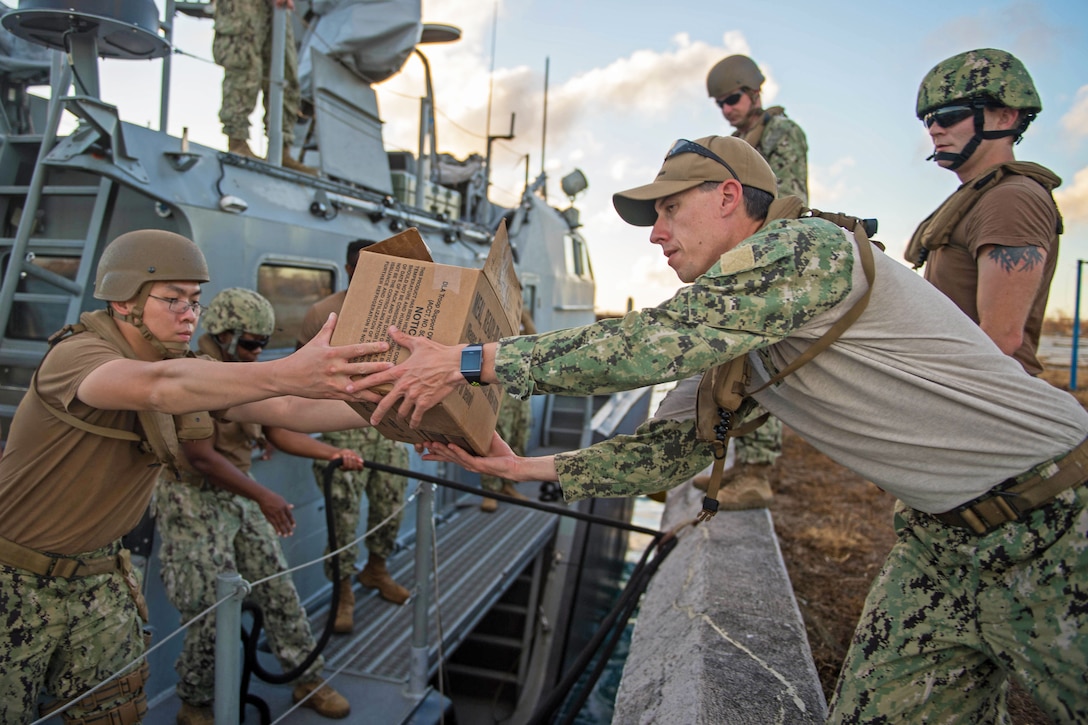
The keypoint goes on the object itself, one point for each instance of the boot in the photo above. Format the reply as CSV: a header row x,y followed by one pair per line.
x,y
240,147
702,481
290,163
749,488
326,701
375,576
195,715
343,618
490,505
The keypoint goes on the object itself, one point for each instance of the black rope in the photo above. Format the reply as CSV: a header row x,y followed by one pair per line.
x,y
614,623
603,642
250,665
516,501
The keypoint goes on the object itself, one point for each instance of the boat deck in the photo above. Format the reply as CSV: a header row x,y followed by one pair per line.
x,y
479,557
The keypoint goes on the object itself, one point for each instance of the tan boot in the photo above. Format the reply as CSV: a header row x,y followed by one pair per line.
x,y
343,619
289,162
325,701
194,715
749,488
489,505
240,146
375,576
512,491
702,481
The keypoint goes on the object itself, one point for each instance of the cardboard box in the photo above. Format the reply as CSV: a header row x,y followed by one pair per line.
x,y
397,283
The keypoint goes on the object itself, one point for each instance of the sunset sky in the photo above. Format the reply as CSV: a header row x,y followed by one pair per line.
x,y
627,78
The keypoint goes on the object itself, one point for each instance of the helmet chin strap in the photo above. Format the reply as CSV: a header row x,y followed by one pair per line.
x,y
958,159
168,350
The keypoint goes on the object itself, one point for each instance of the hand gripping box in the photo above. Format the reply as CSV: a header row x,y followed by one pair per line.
x,y
397,283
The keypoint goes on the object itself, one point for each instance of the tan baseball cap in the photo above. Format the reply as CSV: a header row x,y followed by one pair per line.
x,y
690,163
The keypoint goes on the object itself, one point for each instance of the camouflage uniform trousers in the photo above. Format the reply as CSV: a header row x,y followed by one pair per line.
x,y
384,493
764,444
206,531
514,424
67,635
243,46
951,616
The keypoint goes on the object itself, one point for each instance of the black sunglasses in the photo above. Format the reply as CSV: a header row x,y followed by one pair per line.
x,y
683,146
252,345
731,100
948,116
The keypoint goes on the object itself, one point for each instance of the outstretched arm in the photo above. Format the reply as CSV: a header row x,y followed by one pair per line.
x,y
318,370
300,444
221,472
500,461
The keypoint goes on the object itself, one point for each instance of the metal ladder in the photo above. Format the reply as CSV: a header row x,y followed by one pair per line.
x,y
56,192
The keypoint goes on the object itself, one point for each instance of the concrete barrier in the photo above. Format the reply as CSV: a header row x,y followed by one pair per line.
x,y
719,637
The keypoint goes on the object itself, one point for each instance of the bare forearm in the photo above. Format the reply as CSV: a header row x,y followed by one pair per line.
x,y
299,414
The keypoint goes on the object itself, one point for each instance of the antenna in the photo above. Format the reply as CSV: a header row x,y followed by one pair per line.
x,y
544,130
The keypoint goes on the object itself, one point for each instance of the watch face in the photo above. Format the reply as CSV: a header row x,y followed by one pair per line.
x,y
471,362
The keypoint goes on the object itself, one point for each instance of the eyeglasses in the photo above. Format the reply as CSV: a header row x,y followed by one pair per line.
x,y
948,116
252,345
731,100
683,146
179,306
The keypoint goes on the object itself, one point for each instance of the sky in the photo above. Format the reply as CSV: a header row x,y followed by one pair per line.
x,y
626,78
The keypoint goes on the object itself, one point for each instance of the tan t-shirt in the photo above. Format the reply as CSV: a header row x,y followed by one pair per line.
x,y
319,313
1018,212
64,490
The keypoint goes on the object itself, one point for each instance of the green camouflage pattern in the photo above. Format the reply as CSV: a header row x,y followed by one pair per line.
x,y
243,47
205,531
239,310
659,455
755,295
952,616
513,425
764,444
63,637
785,148
384,494
986,72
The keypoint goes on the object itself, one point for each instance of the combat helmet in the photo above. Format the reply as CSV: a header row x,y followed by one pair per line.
x,y
979,78
729,74
237,310
133,262
146,255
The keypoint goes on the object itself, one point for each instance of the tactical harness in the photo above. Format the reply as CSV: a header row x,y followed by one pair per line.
x,y
936,230
159,434
723,389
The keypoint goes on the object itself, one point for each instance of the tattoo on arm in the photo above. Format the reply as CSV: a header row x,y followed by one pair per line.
x,y
1016,259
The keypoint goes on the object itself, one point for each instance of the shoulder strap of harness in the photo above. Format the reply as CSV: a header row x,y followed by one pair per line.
x,y
723,389
158,432
936,230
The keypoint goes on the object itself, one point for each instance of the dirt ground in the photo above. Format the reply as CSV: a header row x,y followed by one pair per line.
x,y
835,530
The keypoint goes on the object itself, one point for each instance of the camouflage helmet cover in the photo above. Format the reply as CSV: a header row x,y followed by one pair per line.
x,y
729,74
146,255
240,310
986,73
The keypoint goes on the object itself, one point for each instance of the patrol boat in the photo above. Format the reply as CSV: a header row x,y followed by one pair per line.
x,y
516,593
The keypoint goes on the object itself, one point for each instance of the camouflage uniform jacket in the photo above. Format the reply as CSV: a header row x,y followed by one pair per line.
x,y
783,144
884,399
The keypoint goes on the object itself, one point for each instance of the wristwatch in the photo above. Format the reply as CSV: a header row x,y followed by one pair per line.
x,y
472,362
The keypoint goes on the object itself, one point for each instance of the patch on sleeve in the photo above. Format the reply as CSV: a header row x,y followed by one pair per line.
x,y
738,259
194,426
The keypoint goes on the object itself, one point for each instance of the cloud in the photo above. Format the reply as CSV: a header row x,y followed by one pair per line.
x,y
1075,121
1073,199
